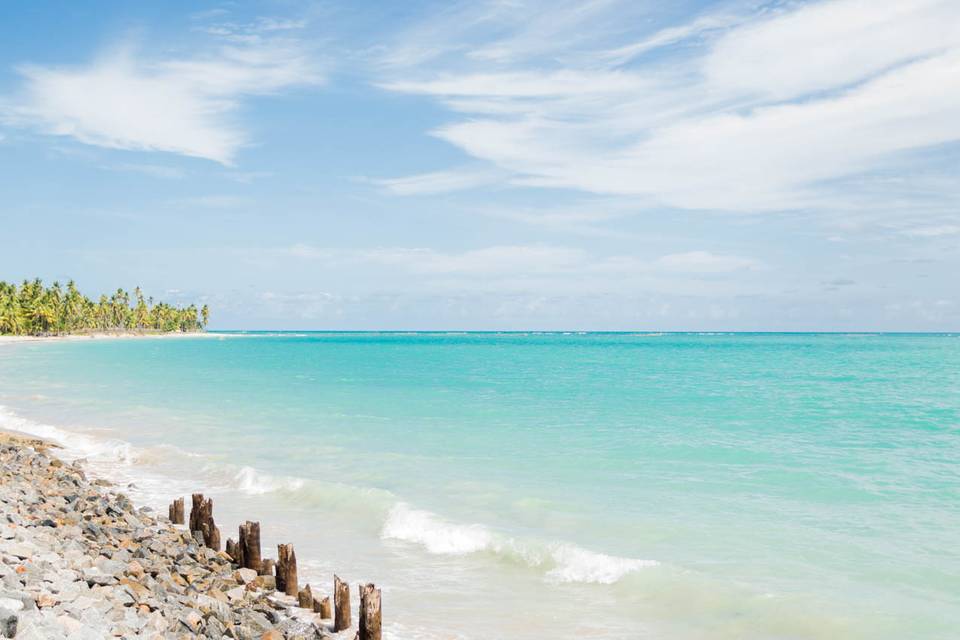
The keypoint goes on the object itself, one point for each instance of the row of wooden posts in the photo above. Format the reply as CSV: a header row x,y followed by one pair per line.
x,y
245,552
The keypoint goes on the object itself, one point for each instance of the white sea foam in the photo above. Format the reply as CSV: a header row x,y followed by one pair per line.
x,y
433,533
252,482
562,562
574,564
398,631
122,462
111,459
77,445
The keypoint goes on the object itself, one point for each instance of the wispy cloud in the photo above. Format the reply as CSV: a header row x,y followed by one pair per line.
x,y
671,35
933,231
184,105
758,116
705,262
151,170
544,268
216,201
440,181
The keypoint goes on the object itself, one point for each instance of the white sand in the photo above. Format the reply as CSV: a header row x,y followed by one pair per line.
x,y
105,336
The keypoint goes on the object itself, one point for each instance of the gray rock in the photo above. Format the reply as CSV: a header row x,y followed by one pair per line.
x,y
94,575
11,604
21,550
8,623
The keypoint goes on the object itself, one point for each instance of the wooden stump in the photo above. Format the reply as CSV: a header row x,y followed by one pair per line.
x,y
370,616
341,604
233,551
323,607
266,567
211,536
305,597
201,519
176,511
286,569
196,507
250,545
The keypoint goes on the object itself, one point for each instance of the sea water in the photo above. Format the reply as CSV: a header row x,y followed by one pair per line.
x,y
523,485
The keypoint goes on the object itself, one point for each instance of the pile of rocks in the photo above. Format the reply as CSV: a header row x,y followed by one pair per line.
x,y
78,561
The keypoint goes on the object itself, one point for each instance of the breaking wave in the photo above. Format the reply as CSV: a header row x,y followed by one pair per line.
x,y
433,533
118,460
562,562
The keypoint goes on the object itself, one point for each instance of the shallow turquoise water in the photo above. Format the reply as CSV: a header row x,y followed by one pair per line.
x,y
502,485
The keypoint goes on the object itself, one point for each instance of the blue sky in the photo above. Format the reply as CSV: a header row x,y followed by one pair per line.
x,y
491,165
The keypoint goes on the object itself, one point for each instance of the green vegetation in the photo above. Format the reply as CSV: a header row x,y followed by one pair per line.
x,y
33,309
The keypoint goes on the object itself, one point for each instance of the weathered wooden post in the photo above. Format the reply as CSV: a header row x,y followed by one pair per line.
x,y
196,507
250,545
287,570
370,617
341,604
233,551
176,511
305,597
323,608
266,567
201,519
211,533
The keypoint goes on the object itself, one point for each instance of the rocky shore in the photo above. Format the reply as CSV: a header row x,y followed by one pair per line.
x,y
79,561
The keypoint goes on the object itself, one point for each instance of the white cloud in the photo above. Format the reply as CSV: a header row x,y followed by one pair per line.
x,y
705,262
152,170
585,217
216,201
933,231
825,45
758,117
540,268
440,181
668,36
555,29
523,85
180,105
488,261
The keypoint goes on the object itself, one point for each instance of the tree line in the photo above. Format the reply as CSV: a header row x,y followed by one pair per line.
x,y
33,309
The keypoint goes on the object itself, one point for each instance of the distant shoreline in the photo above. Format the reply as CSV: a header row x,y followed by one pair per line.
x,y
106,335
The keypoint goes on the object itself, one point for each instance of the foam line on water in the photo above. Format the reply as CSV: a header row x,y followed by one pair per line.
x,y
76,445
560,561
433,533
123,463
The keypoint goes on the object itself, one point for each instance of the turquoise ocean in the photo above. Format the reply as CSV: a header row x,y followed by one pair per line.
x,y
525,485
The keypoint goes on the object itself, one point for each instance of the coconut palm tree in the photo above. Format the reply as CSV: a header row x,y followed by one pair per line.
x,y
141,315
34,309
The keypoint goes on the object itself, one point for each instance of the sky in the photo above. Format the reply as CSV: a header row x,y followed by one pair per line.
x,y
491,165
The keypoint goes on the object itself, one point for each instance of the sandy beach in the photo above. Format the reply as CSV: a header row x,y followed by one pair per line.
x,y
78,560
73,337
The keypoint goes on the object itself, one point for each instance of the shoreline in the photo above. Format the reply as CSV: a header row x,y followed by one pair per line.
x,y
73,544
73,337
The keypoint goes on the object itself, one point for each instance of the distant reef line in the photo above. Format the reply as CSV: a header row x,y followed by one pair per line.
x,y
32,309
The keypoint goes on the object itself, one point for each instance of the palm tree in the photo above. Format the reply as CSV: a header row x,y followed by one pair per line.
x,y
32,308
141,315
11,316
74,308
53,298
42,316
